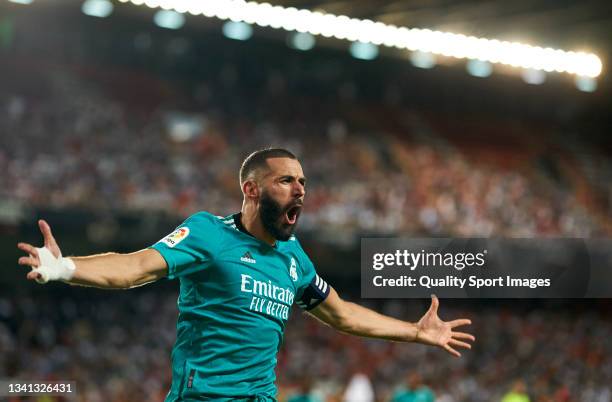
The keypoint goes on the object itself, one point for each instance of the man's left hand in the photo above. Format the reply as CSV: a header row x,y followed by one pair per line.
x,y
431,330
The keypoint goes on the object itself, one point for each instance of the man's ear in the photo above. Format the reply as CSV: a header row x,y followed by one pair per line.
x,y
250,189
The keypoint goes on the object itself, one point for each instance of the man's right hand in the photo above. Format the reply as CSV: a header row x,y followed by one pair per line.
x,y
107,271
46,262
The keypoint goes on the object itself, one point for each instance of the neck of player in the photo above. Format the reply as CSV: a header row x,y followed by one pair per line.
x,y
251,221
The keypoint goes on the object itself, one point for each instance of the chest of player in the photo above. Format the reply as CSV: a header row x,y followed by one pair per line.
x,y
259,268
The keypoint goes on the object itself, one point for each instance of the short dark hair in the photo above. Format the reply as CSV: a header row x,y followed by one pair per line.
x,y
258,160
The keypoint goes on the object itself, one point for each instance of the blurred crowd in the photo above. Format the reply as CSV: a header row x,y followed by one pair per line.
x,y
75,146
117,349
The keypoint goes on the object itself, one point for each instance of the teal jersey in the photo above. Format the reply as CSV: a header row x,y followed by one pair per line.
x,y
422,394
303,398
236,294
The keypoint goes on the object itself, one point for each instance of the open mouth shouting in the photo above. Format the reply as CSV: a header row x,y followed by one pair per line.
x,y
292,214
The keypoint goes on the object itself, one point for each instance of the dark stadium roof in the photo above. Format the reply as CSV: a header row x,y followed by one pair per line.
x,y
585,24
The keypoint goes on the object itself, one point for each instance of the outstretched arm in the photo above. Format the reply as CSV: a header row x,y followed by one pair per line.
x,y
110,270
354,319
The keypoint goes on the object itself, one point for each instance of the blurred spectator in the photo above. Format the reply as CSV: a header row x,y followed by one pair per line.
x,y
414,390
359,389
517,394
305,392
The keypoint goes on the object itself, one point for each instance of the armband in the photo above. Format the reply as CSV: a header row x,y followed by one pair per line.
x,y
314,294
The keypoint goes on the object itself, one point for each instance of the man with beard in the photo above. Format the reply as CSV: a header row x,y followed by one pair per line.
x,y
239,276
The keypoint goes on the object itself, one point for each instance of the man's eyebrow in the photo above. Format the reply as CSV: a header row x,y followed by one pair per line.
x,y
301,179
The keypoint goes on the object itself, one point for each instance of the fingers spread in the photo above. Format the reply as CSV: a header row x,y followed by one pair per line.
x,y
30,261
460,322
46,232
28,248
33,275
452,351
434,304
463,335
460,344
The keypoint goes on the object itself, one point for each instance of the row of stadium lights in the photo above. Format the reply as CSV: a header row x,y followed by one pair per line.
x,y
366,36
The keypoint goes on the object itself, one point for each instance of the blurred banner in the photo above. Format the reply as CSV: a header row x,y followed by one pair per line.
x,y
486,268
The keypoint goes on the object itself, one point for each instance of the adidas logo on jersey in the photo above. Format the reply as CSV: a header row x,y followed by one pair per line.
x,y
247,257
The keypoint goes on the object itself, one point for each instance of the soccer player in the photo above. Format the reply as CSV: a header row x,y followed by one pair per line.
x,y
239,276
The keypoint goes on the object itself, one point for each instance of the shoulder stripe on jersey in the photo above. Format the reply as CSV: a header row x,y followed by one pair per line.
x,y
230,223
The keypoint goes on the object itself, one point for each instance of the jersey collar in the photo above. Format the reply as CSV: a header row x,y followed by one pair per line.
x,y
240,227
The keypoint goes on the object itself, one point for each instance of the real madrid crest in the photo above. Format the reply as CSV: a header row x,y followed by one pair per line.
x,y
293,270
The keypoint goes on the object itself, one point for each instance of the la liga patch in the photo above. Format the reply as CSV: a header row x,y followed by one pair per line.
x,y
176,237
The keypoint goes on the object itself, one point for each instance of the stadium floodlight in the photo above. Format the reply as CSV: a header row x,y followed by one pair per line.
x,y
533,77
169,19
301,41
237,30
479,68
341,27
586,84
422,59
97,8
363,50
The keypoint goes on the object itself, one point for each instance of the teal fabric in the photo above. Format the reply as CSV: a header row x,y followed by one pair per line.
x,y
235,297
303,398
422,394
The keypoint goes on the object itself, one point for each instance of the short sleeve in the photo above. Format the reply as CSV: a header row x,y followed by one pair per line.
x,y
313,289
192,246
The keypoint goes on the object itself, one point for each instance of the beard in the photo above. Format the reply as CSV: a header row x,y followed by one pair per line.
x,y
272,216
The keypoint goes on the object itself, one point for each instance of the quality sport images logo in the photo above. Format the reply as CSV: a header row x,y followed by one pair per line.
x,y
176,237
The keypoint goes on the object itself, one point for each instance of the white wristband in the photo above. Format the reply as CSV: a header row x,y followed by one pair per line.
x,y
53,268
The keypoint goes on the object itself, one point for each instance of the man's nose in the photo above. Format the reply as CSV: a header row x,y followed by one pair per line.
x,y
298,190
